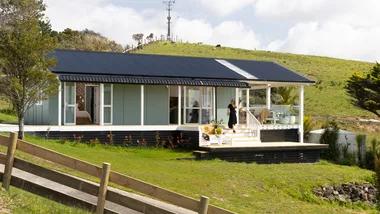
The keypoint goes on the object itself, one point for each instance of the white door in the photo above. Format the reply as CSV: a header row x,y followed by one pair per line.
x,y
70,103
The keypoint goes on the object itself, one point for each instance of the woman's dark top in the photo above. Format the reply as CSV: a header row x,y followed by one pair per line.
x,y
232,120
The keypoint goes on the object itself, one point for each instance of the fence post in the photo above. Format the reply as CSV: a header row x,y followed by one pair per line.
x,y
9,160
203,205
103,188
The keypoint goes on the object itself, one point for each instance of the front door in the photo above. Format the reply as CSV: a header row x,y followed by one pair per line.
x,y
199,104
69,103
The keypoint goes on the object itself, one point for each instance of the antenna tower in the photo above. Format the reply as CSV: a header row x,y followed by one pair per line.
x,y
169,8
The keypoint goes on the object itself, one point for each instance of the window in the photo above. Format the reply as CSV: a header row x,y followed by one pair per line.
x,y
199,105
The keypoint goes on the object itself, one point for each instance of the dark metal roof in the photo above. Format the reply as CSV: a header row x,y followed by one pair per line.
x,y
119,64
150,80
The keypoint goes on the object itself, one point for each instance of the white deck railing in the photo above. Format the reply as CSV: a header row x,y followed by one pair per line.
x,y
253,124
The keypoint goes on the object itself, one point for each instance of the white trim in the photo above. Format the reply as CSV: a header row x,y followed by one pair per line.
x,y
39,103
142,106
60,104
71,105
109,106
179,104
301,116
101,107
168,87
237,105
236,69
247,99
214,103
184,105
268,98
32,128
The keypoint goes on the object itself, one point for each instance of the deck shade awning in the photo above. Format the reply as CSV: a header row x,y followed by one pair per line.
x,y
151,80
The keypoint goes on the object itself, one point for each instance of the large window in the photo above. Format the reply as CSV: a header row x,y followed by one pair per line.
x,y
199,105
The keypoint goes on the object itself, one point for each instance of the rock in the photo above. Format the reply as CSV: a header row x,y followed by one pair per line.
x,y
355,199
365,197
328,192
366,189
341,198
335,192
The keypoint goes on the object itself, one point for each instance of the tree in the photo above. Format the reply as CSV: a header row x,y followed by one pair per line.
x,y
86,40
25,77
138,37
150,37
364,90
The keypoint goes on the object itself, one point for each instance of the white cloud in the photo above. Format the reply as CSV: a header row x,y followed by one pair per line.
x,y
228,33
340,28
115,22
331,39
225,7
119,23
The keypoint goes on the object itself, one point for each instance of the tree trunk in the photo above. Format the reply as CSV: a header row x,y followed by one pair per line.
x,y
21,127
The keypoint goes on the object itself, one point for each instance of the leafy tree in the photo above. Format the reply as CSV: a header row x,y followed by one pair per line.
x,y
25,77
288,97
364,90
86,40
330,136
138,37
150,37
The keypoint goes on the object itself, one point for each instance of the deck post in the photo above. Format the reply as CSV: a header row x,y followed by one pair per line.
x,y
101,106
9,160
214,103
60,104
301,114
237,104
179,107
247,99
268,97
103,188
142,105
204,205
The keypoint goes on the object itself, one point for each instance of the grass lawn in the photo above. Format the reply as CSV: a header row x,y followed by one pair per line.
x,y
326,99
240,187
19,201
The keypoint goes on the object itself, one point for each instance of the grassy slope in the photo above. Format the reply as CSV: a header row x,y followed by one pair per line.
x,y
18,201
244,188
329,101
5,117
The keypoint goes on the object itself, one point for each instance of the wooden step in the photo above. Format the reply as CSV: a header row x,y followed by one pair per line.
x,y
201,154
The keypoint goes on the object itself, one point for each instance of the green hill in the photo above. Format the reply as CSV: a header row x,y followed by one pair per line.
x,y
327,98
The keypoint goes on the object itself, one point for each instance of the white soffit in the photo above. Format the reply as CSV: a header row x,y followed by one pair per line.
x,y
236,69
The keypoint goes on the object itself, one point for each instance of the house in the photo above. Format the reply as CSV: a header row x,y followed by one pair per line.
x,y
137,95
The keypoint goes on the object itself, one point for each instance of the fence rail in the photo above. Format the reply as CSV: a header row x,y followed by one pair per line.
x,y
114,177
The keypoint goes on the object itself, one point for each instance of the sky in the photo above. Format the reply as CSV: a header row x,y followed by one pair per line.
x,y
348,29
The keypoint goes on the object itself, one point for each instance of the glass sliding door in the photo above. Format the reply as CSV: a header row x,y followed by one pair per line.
x,y
107,107
198,105
69,103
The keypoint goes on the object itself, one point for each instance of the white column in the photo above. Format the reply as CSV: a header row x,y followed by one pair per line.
x,y
179,107
184,104
60,104
301,98
247,99
142,105
101,106
237,104
268,97
214,102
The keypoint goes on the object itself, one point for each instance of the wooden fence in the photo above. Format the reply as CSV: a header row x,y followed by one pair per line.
x,y
105,174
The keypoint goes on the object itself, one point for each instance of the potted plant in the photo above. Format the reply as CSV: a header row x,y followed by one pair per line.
x,y
292,117
218,131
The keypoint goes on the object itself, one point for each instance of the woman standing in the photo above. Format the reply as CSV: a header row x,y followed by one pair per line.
x,y
231,112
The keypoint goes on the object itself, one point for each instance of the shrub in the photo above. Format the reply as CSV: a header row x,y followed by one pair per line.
x,y
330,136
371,154
359,143
377,180
308,125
